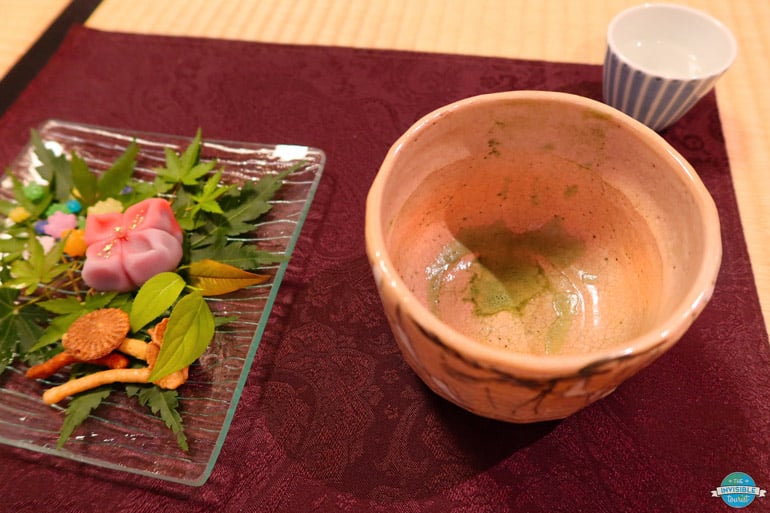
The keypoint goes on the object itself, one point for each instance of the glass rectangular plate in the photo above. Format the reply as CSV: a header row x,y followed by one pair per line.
x,y
121,434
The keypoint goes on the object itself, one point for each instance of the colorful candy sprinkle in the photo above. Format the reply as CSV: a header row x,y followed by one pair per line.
x,y
46,242
73,206
40,227
33,191
108,206
74,242
56,207
18,214
59,222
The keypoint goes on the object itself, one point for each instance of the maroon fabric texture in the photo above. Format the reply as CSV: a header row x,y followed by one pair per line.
x,y
331,418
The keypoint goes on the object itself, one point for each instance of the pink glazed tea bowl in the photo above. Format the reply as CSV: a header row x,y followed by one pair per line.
x,y
533,250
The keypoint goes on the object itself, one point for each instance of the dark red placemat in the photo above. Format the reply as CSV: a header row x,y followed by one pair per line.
x,y
331,418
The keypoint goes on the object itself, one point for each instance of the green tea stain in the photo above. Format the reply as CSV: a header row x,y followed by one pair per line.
x,y
511,269
494,289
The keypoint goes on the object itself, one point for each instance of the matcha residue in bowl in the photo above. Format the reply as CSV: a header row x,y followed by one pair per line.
x,y
506,271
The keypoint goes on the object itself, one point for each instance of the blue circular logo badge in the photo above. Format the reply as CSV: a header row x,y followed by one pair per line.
x,y
738,490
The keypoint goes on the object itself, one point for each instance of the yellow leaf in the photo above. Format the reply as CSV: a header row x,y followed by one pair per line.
x,y
215,278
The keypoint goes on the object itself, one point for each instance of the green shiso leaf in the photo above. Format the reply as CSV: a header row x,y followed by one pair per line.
x,y
155,297
188,334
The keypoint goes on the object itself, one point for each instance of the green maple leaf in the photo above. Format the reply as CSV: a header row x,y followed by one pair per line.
x,y
192,175
209,234
27,326
41,267
8,339
206,200
238,255
12,248
56,169
165,404
78,410
5,205
7,344
19,326
245,205
173,172
192,208
137,190
185,168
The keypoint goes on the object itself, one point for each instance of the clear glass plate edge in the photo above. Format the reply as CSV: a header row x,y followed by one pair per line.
x,y
263,323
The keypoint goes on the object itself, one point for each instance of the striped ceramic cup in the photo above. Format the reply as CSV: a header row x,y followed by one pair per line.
x,y
661,59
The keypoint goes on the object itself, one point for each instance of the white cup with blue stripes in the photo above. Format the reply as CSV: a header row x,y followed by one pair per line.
x,y
661,59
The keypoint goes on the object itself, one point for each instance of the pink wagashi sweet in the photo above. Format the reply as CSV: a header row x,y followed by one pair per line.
x,y
125,250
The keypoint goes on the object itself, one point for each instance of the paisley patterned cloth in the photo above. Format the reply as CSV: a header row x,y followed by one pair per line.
x,y
331,418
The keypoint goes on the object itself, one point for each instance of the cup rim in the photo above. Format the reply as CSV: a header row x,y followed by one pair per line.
x,y
730,37
669,330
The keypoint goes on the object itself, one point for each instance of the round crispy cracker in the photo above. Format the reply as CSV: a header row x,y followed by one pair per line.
x,y
96,334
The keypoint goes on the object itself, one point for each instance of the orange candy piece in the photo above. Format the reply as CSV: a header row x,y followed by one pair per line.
x,y
74,242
